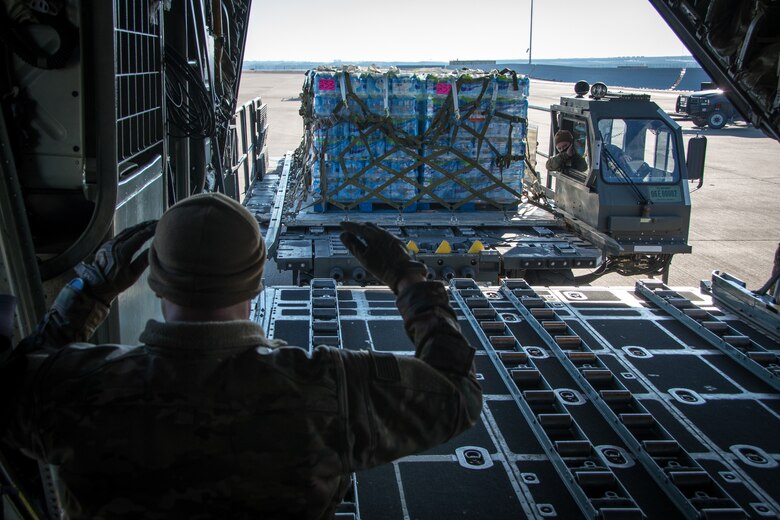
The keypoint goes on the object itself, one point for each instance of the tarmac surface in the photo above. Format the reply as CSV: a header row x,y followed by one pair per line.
x,y
735,221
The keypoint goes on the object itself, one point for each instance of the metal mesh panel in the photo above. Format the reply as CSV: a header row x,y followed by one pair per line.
x,y
138,79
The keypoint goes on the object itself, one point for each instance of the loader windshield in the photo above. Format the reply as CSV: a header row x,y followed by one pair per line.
x,y
642,151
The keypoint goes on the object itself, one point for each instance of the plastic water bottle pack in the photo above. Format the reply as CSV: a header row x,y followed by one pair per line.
x,y
396,184
480,111
374,124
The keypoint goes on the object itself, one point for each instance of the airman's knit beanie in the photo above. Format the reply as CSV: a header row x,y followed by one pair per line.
x,y
207,253
563,136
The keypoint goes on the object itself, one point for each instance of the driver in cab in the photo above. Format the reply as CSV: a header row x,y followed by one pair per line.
x,y
566,156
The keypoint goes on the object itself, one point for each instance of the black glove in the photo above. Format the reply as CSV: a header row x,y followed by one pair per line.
x,y
113,270
381,253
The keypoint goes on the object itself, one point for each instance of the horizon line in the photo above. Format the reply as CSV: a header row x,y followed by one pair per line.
x,y
519,60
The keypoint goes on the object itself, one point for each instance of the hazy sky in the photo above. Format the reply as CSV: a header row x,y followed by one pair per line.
x,y
435,30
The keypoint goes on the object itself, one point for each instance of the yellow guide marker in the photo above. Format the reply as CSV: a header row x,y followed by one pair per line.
x,y
411,246
476,247
444,248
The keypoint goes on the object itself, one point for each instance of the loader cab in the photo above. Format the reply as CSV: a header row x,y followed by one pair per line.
x,y
635,189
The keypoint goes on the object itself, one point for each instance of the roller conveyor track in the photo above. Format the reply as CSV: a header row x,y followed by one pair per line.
x,y
679,475
587,476
325,329
762,362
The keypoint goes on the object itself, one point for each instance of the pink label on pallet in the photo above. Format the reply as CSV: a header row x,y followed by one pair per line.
x,y
443,88
326,84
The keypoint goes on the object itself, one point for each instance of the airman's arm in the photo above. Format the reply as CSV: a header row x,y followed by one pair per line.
x,y
398,405
579,163
83,304
556,163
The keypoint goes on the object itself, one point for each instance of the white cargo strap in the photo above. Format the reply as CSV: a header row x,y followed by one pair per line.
x,y
386,80
493,98
455,106
343,83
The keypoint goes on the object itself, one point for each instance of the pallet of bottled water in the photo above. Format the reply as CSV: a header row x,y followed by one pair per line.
x,y
414,139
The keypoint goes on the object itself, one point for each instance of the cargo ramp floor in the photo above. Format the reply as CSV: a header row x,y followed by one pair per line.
x,y
598,403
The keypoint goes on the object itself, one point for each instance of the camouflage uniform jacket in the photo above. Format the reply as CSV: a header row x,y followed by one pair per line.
x,y
210,420
562,161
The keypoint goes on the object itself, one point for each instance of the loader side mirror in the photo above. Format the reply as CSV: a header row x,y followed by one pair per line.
x,y
697,149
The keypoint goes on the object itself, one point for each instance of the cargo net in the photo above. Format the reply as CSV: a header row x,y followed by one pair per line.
x,y
413,140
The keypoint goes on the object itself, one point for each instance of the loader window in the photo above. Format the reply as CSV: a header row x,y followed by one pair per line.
x,y
579,129
578,165
640,150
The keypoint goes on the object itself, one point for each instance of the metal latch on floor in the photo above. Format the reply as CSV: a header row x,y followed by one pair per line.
x,y
473,457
